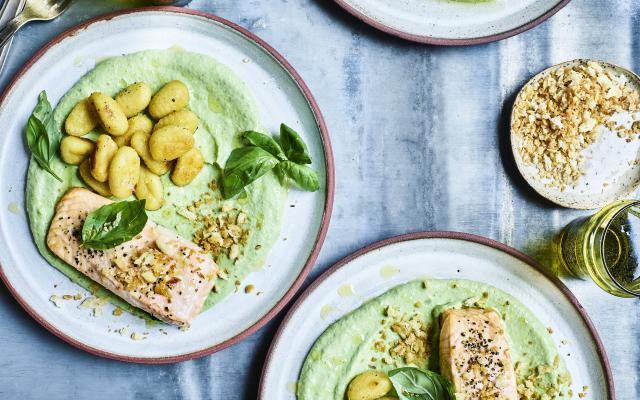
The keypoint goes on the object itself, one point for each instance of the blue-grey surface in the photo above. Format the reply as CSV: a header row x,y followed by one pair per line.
x,y
420,139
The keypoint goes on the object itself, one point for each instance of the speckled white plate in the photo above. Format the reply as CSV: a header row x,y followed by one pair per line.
x,y
446,255
450,22
610,164
281,96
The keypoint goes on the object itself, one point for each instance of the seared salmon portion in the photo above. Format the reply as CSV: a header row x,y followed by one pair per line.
x,y
474,355
157,271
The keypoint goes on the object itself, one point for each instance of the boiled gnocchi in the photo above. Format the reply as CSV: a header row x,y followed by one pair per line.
x,y
74,150
106,148
172,97
110,115
184,118
134,98
149,188
140,143
134,151
370,385
102,188
81,120
188,166
124,172
137,123
170,142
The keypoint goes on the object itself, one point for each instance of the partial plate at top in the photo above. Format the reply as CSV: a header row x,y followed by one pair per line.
x,y
452,22
281,96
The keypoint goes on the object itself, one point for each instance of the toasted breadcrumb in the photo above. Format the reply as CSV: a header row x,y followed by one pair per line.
x,y
557,116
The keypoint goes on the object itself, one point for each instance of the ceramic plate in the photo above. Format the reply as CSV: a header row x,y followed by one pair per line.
x,y
381,266
281,96
610,163
453,22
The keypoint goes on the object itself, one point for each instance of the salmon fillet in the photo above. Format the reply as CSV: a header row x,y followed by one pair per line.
x,y
157,271
474,355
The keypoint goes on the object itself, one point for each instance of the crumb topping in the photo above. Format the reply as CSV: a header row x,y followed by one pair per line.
x,y
559,115
543,382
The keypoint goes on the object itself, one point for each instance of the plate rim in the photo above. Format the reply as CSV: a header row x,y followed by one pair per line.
x,y
440,41
468,237
584,203
326,215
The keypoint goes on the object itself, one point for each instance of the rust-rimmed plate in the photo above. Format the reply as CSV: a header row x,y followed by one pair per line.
x,y
281,95
453,22
377,268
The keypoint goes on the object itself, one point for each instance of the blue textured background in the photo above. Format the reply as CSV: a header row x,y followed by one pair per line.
x,y
420,137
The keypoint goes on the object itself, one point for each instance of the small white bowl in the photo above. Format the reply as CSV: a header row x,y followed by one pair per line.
x,y
611,170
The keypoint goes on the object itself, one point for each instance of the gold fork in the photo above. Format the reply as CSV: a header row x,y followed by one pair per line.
x,y
34,10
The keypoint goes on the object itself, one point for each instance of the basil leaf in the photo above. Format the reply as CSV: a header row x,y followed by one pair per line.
x,y
303,176
416,384
114,224
39,132
43,109
245,165
265,142
294,147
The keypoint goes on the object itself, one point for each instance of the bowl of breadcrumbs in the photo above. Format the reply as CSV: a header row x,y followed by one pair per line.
x,y
575,133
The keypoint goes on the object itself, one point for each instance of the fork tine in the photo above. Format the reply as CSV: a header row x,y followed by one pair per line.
x,y
61,5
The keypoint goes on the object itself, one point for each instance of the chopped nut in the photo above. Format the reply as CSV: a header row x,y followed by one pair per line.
x,y
413,344
249,288
234,252
148,276
191,216
95,304
558,116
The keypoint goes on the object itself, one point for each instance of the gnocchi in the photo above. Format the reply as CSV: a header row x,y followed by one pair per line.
x,y
138,123
184,118
187,167
134,98
133,153
124,172
81,120
106,148
172,97
140,143
369,385
110,115
74,150
149,188
102,188
170,142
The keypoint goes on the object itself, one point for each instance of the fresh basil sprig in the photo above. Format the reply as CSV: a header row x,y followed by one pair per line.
x,y
244,166
40,133
265,143
302,175
113,224
294,147
417,384
287,156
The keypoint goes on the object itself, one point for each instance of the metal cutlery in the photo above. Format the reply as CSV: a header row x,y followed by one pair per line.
x,y
9,9
34,10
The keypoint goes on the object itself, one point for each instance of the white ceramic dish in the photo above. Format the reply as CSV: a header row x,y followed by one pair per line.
x,y
436,255
449,22
281,96
610,164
